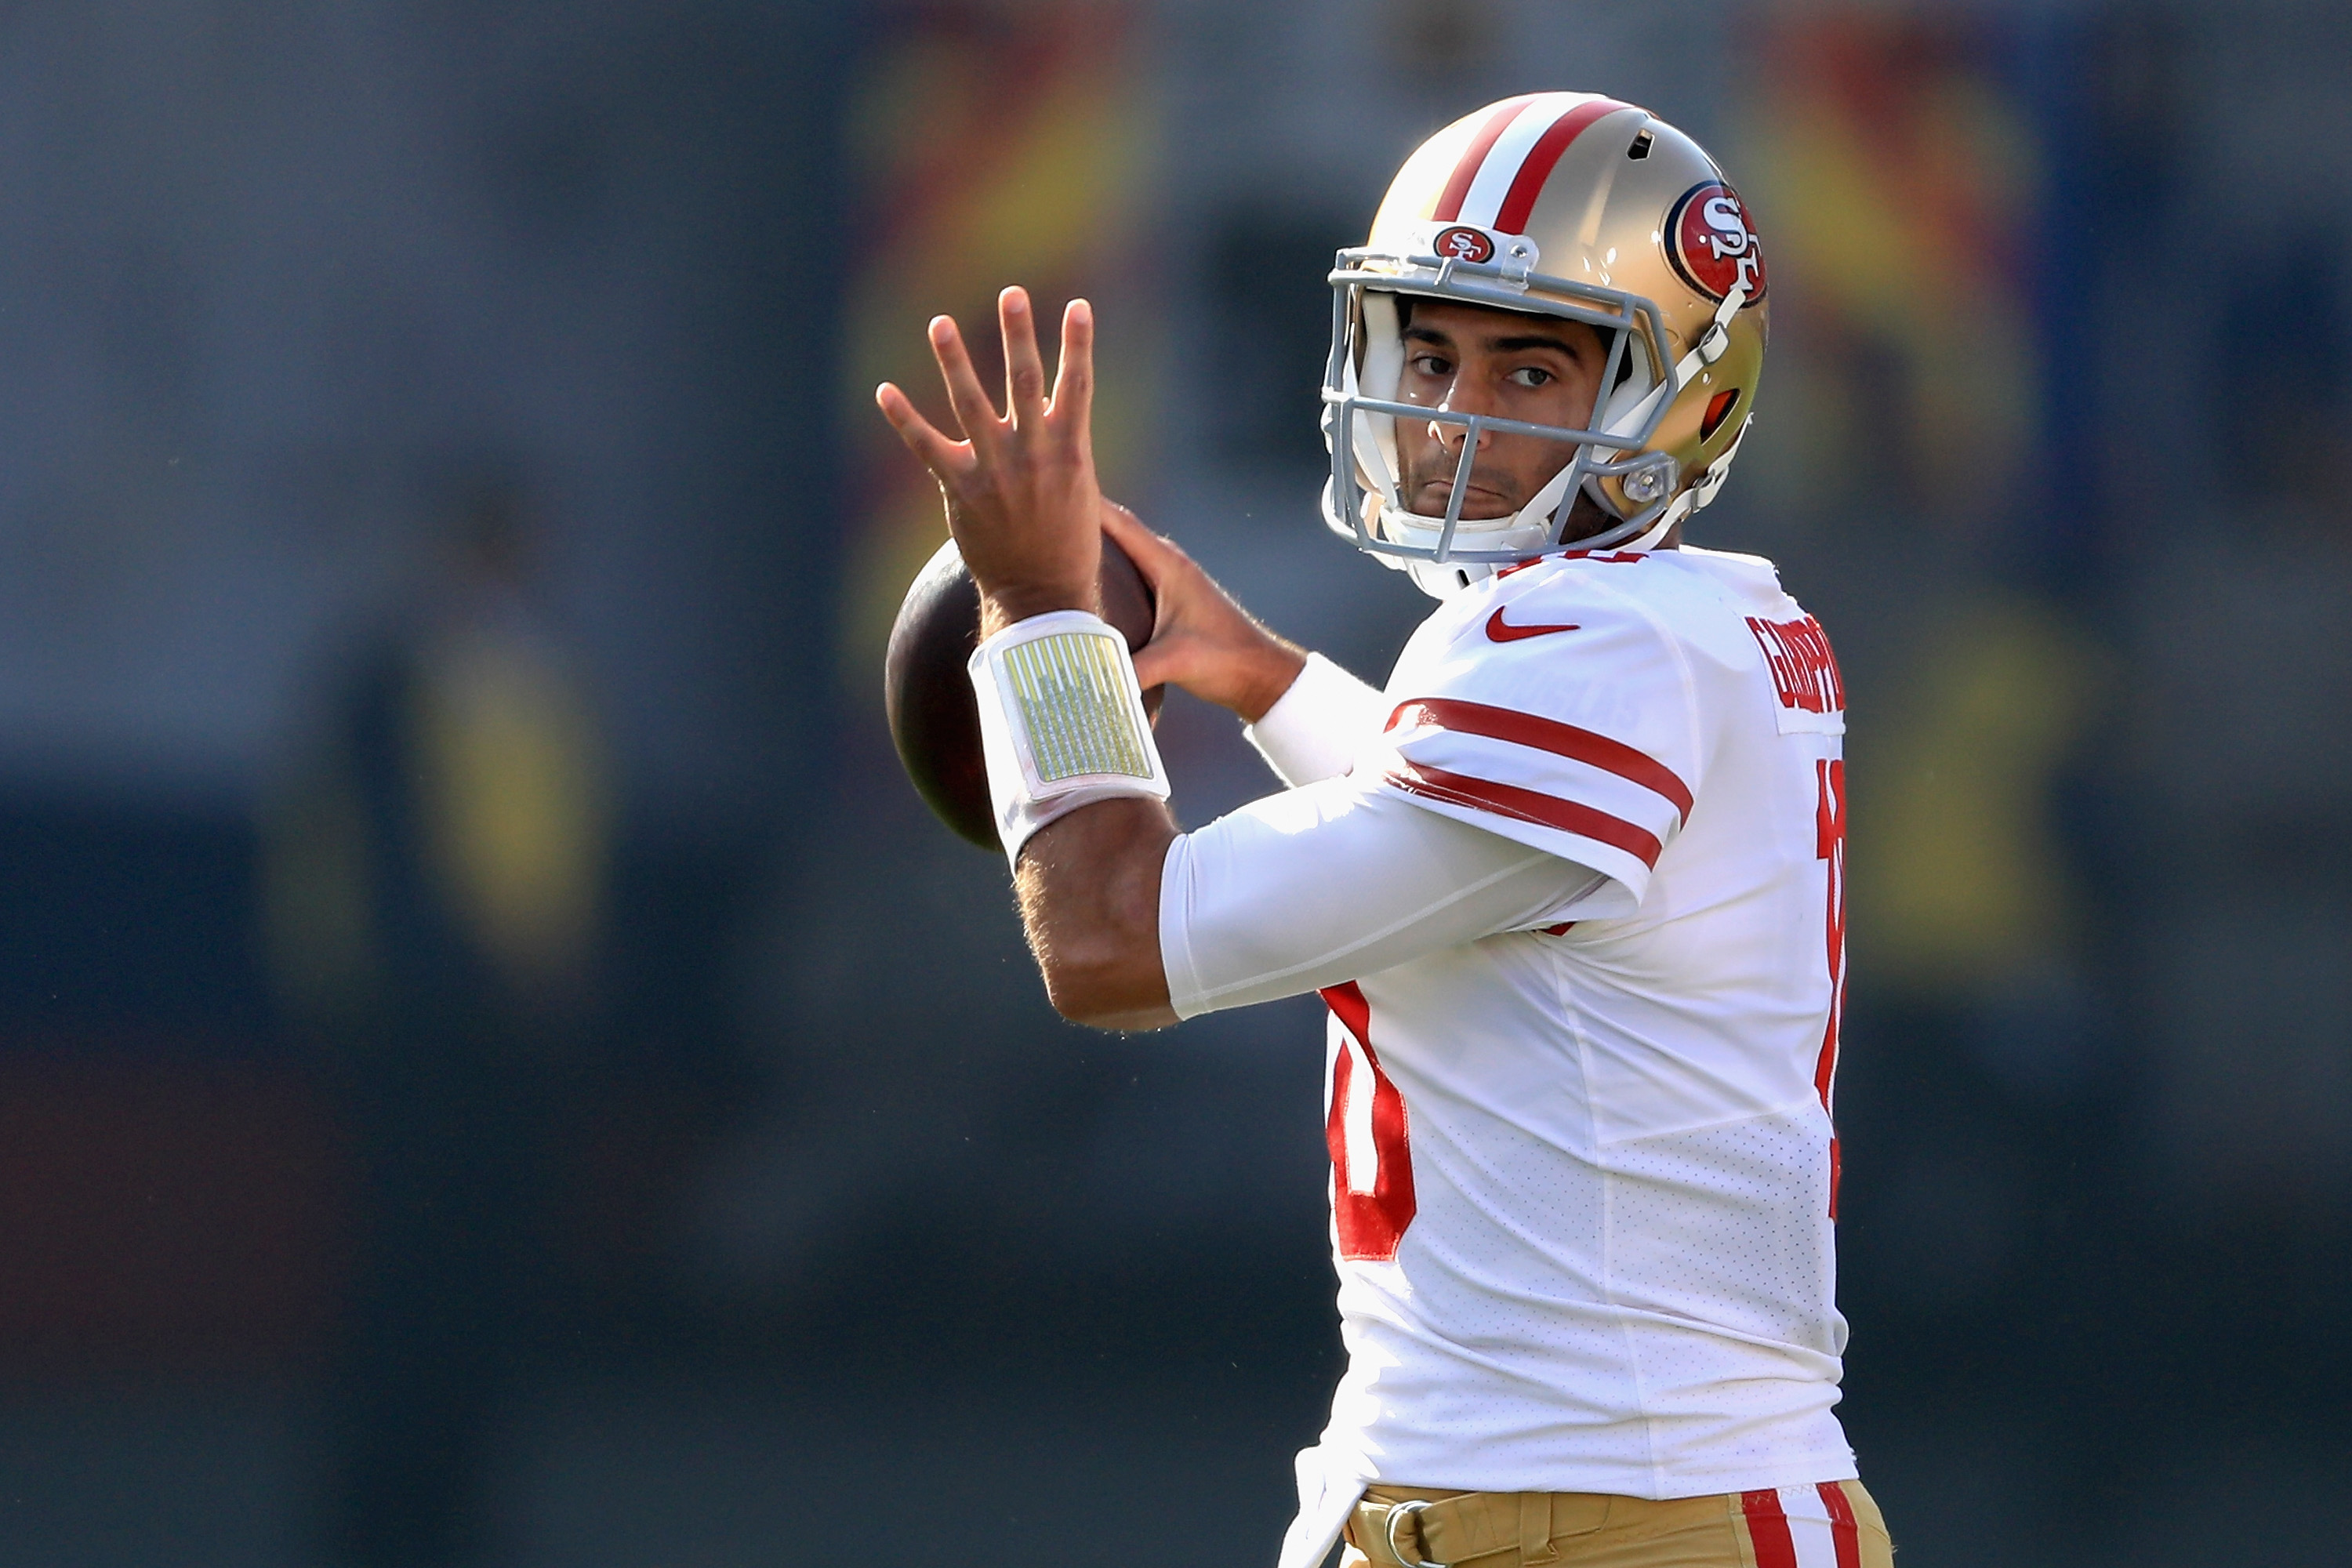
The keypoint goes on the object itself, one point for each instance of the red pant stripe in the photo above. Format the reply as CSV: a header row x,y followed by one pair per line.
x,y
1842,1530
1767,1530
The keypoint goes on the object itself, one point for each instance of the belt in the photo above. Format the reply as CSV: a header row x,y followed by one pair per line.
x,y
1400,1530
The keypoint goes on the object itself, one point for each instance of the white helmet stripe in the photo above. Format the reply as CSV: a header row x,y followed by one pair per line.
x,y
1466,168
1501,166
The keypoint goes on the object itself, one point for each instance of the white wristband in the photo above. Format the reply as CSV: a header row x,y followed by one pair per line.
x,y
1061,723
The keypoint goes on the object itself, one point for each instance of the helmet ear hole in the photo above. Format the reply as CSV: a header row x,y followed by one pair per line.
x,y
1719,409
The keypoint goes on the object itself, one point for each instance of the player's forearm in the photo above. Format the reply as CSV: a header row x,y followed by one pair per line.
x,y
1010,604
1256,676
1090,888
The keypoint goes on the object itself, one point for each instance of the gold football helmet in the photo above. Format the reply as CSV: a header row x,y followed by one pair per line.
x,y
1559,203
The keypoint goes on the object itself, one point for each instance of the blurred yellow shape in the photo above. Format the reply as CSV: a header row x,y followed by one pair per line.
x,y
1958,872
513,803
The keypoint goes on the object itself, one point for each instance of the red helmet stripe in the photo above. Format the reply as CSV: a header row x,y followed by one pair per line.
x,y
1520,204
1457,185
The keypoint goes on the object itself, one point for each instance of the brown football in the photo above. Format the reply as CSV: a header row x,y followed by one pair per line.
x,y
934,718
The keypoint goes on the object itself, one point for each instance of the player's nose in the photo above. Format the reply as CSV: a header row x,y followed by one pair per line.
x,y
1450,433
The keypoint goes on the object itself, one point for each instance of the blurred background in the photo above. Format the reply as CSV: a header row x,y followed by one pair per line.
x,y
495,1064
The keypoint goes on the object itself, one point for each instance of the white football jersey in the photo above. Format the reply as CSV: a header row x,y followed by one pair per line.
x,y
1584,1176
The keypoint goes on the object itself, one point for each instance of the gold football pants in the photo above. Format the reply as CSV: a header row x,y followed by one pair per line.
x,y
1831,1525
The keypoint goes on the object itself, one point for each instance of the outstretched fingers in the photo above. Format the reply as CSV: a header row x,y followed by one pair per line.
x,y
1024,369
1074,378
973,411
946,458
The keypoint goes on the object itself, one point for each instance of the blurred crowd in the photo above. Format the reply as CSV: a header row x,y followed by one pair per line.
x,y
465,940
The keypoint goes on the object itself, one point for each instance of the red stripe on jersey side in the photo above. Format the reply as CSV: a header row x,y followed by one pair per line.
x,y
1547,735
1369,1224
1352,1007
1466,173
1520,204
1829,841
1526,805
1829,820
1767,1530
1843,1531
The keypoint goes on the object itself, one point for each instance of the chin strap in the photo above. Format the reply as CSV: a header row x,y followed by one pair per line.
x,y
1712,341
1701,491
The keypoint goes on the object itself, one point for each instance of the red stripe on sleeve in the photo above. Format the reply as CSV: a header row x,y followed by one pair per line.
x,y
1466,173
1842,1529
1526,805
1546,736
1519,205
1767,1530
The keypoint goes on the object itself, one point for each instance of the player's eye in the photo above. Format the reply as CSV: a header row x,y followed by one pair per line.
x,y
1532,375
1432,365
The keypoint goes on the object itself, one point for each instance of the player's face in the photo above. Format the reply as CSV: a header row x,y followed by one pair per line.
x,y
1536,369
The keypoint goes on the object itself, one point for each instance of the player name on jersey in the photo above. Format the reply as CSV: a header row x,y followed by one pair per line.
x,y
1804,674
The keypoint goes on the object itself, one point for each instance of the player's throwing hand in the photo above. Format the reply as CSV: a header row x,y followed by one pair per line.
x,y
1022,498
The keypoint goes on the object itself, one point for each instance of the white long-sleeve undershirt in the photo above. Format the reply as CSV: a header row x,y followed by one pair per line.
x,y
1340,878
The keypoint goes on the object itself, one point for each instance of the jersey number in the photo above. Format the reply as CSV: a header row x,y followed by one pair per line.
x,y
1371,1155
1829,834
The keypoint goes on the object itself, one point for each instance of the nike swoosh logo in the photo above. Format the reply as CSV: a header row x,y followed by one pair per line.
x,y
1501,630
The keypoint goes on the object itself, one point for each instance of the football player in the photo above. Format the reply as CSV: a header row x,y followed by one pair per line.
x,y
1572,885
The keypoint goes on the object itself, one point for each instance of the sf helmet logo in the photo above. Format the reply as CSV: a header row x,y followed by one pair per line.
x,y
1712,243
1462,242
